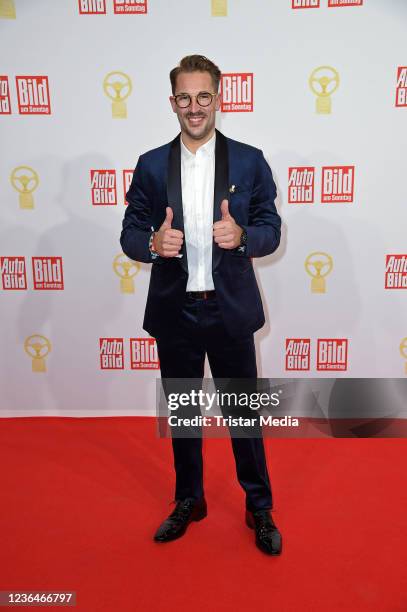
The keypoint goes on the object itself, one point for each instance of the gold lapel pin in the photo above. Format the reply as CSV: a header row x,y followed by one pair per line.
x,y
232,189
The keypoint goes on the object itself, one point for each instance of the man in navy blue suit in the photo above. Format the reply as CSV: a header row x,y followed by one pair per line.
x,y
199,208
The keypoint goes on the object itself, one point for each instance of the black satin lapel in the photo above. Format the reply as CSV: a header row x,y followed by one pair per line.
x,y
174,193
221,188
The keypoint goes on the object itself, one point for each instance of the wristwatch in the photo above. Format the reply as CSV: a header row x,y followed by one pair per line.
x,y
154,254
243,242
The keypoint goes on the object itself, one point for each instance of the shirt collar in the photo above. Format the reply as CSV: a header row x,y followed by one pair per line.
x,y
207,149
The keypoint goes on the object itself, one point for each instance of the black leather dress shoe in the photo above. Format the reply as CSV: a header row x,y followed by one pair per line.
x,y
268,537
176,524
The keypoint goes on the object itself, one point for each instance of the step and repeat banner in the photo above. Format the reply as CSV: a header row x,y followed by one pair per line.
x,y
319,85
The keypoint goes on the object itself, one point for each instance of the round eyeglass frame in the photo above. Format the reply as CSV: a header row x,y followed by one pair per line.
x,y
190,98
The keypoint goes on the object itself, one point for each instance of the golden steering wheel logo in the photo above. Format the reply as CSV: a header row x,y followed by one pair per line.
x,y
117,86
403,352
37,347
323,81
7,9
25,180
318,265
127,270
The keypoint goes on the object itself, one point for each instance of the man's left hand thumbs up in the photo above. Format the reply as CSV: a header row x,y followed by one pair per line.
x,y
226,232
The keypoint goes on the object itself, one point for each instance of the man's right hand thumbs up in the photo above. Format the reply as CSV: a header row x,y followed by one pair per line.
x,y
167,242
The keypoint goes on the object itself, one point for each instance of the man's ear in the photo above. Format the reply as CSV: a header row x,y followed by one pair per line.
x,y
173,105
218,102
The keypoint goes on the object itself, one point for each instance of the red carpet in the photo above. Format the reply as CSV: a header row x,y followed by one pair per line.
x,y
81,499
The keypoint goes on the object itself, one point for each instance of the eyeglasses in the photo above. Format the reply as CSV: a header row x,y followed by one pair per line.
x,y
204,98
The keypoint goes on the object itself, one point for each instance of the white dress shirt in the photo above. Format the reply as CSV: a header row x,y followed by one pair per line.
x,y
197,182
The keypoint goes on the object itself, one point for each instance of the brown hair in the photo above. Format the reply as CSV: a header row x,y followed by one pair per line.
x,y
196,63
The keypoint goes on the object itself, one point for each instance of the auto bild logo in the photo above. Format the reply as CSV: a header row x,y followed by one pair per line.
x,y
5,106
401,87
127,178
111,353
136,7
396,272
92,7
103,187
236,92
334,3
301,185
144,355
33,95
332,354
13,273
47,273
304,4
337,183
297,354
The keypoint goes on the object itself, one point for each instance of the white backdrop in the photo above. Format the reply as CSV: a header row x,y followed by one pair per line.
x,y
281,46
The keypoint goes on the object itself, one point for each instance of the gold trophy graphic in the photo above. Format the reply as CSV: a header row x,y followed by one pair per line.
x,y
37,347
319,83
127,270
318,265
219,8
7,9
25,184
114,85
403,352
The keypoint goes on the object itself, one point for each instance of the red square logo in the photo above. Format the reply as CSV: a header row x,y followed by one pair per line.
x,y
401,87
130,7
92,7
332,354
297,354
5,106
103,186
305,4
33,95
111,353
337,183
144,354
301,185
236,90
334,3
127,178
48,273
13,273
396,272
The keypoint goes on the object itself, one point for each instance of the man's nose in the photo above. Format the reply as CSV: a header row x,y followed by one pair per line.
x,y
194,108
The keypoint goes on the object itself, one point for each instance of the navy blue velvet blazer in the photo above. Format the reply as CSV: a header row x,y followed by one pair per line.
x,y
156,184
